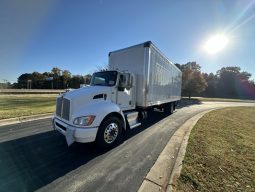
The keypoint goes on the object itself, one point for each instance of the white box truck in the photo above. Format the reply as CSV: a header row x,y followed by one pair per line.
x,y
139,79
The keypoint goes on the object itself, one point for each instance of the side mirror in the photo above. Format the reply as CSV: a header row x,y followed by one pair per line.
x,y
128,81
122,81
125,81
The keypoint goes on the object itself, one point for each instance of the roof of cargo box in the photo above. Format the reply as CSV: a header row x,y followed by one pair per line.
x,y
145,44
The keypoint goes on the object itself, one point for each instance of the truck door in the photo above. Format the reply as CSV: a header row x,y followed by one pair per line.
x,y
125,93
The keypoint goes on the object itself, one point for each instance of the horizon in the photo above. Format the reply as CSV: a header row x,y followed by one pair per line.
x,y
37,36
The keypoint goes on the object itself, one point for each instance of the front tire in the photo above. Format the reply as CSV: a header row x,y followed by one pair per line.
x,y
110,132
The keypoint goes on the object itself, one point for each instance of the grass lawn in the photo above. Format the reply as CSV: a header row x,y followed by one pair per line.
x,y
222,99
23,105
201,99
220,154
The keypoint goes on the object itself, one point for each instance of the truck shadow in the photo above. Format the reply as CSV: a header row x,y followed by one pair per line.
x,y
29,163
32,162
157,115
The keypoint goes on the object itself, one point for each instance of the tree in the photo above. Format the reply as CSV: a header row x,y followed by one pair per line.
x,y
38,80
66,76
23,80
192,79
75,81
234,83
56,77
56,71
48,83
189,66
178,65
212,84
87,79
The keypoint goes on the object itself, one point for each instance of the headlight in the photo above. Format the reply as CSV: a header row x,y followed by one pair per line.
x,y
85,121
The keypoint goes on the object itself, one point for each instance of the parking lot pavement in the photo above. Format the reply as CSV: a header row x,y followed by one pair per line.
x,y
34,157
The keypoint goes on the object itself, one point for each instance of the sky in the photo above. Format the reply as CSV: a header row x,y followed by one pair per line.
x,y
37,35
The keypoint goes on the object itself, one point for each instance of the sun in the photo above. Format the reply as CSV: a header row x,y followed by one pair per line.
x,y
215,44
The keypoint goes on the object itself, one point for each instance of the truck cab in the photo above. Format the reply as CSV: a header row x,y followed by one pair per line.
x,y
122,87
99,112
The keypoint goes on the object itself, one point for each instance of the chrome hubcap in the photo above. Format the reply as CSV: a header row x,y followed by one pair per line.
x,y
111,133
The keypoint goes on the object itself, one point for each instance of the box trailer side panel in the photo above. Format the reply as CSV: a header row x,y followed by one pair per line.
x,y
158,81
132,59
163,81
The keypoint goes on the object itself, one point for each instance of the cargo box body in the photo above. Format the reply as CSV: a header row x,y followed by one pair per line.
x,y
158,80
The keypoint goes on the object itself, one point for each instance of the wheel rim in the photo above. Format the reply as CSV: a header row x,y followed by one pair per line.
x,y
111,133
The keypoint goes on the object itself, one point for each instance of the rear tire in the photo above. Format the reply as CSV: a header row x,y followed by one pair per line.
x,y
169,108
109,132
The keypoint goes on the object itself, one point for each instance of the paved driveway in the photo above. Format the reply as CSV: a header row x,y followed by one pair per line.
x,y
32,156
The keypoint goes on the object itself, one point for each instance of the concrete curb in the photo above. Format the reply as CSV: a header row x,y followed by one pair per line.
x,y
166,170
15,120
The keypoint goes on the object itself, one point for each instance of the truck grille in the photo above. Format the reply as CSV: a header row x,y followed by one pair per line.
x,y
63,108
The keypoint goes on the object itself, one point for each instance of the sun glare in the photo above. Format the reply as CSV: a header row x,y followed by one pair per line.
x,y
216,43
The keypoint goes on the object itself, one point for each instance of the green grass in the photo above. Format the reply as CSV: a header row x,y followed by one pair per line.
x,y
24,105
202,99
222,99
221,152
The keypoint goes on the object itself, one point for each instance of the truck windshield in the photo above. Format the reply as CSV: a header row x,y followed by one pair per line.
x,y
105,78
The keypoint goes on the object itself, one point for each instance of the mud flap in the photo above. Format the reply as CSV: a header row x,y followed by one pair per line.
x,y
69,137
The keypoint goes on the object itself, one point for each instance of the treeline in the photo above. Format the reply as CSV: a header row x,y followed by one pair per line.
x,y
228,82
55,79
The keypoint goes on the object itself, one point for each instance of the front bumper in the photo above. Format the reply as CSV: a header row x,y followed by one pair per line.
x,y
74,134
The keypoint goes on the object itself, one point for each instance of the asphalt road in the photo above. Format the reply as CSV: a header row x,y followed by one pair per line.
x,y
33,157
